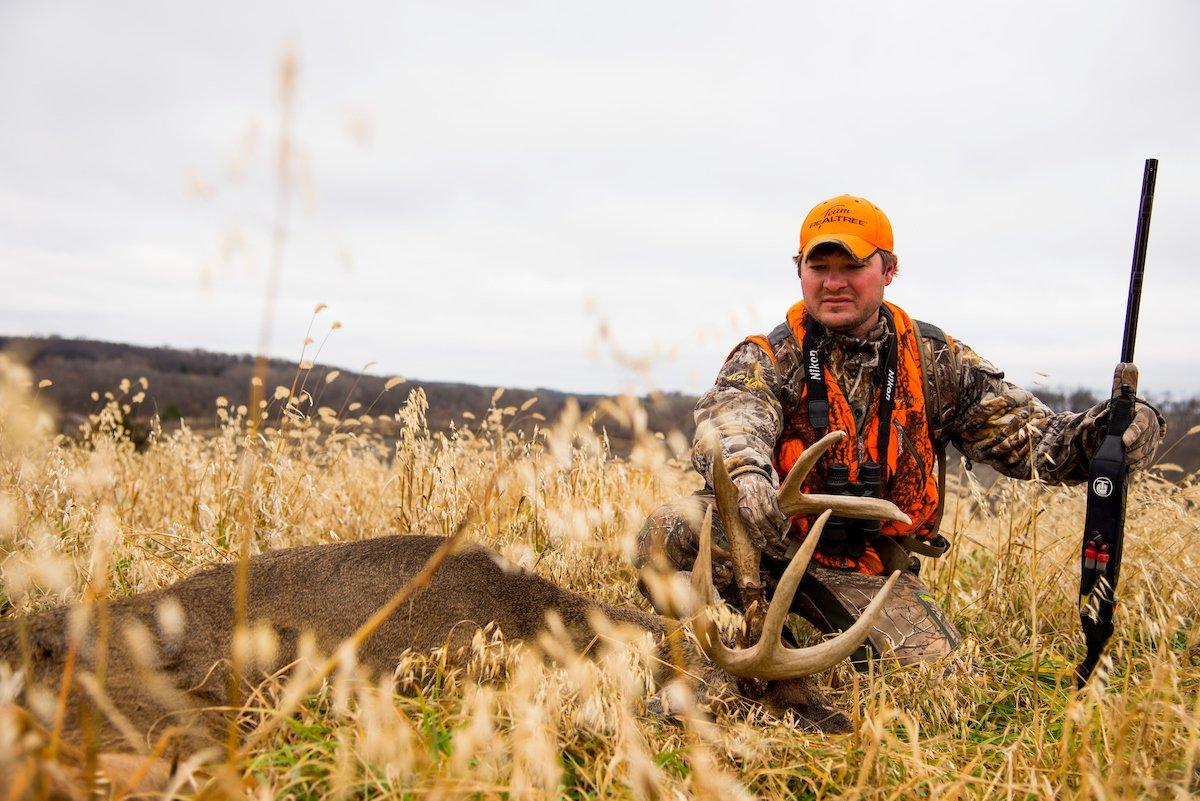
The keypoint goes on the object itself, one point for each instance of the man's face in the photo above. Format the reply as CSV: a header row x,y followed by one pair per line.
x,y
841,293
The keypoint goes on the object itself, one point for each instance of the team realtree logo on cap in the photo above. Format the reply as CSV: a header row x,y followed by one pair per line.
x,y
837,215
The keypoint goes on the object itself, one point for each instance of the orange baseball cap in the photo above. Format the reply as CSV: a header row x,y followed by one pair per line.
x,y
855,223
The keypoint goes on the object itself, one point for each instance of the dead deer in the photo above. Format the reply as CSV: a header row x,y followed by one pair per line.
x,y
331,589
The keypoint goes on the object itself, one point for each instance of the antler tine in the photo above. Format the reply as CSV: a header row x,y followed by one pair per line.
x,y
794,503
769,659
743,555
789,582
779,661
804,465
702,568
707,635
846,506
825,654
727,504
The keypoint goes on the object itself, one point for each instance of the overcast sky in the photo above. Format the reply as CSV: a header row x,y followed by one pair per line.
x,y
483,186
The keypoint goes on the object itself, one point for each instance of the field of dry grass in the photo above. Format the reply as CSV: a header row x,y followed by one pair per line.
x,y
82,522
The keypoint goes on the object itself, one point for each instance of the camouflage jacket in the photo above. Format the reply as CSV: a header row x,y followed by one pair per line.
x,y
973,408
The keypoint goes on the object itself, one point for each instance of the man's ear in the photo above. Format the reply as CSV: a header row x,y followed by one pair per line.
x,y
890,272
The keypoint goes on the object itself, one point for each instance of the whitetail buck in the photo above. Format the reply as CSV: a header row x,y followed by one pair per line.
x,y
330,590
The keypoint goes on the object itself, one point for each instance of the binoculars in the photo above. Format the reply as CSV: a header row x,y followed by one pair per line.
x,y
843,536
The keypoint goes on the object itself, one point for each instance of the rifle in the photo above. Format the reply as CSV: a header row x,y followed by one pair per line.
x,y
1104,522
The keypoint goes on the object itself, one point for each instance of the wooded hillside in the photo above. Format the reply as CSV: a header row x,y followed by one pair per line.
x,y
186,383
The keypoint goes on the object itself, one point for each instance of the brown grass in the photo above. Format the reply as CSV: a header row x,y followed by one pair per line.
x,y
99,518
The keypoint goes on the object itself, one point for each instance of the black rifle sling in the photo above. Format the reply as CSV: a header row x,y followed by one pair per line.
x,y
1103,537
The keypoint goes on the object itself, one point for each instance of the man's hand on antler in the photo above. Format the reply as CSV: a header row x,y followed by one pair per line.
x,y
759,507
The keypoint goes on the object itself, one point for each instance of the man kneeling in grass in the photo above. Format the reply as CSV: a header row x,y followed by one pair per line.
x,y
902,390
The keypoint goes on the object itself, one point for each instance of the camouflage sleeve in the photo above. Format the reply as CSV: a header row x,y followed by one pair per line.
x,y
743,409
1002,425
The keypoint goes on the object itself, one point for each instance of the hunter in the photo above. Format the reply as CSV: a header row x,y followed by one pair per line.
x,y
903,390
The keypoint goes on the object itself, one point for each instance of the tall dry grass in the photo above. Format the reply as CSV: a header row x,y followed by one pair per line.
x,y
85,519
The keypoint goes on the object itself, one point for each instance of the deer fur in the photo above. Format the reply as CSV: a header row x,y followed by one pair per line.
x,y
330,590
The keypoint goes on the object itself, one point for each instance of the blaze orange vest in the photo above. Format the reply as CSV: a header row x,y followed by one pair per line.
x,y
910,480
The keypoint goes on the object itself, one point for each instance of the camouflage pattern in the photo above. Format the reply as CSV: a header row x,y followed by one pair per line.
x,y
854,362
766,525
971,406
912,628
987,418
670,539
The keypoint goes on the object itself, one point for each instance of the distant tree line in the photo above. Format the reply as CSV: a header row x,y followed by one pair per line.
x,y
184,384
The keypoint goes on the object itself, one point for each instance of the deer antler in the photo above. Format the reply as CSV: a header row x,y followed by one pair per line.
x,y
769,659
793,501
743,555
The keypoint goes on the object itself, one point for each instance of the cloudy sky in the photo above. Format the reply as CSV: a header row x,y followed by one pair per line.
x,y
552,194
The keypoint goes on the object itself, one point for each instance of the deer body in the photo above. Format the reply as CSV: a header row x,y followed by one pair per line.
x,y
329,590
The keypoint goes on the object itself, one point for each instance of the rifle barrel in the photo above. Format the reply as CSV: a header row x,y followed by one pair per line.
x,y
1139,261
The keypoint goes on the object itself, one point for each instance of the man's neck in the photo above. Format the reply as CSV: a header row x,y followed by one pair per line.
x,y
861,331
